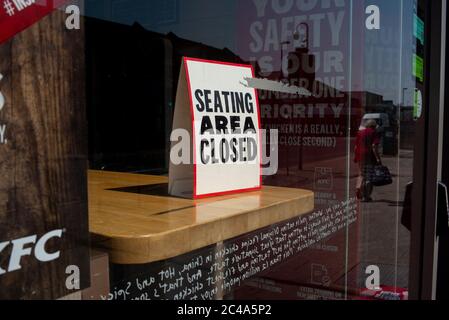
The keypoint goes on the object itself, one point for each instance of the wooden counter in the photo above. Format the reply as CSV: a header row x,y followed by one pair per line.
x,y
138,224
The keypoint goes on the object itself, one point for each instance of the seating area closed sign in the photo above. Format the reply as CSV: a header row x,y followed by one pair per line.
x,y
224,126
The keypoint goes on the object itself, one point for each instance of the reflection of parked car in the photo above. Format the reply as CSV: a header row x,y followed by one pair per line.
x,y
381,118
388,145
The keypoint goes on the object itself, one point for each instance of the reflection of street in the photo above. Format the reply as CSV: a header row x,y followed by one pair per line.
x,y
383,240
378,239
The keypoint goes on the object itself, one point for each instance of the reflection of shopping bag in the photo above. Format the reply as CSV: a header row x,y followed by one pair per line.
x,y
381,176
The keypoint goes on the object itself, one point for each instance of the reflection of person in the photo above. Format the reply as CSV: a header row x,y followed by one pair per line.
x,y
366,156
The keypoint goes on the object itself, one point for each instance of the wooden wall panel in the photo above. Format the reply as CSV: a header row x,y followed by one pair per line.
x,y
43,165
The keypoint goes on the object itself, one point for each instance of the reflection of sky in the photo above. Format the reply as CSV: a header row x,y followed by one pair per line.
x,y
205,21
383,56
226,24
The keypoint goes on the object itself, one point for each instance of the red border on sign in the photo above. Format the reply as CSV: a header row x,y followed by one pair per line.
x,y
192,113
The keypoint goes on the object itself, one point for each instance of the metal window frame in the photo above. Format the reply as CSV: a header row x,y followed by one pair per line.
x,y
428,158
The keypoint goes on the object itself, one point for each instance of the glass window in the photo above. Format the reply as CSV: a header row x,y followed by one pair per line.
x,y
92,95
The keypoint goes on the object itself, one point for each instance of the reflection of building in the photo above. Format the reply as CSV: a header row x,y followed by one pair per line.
x,y
301,68
132,76
374,103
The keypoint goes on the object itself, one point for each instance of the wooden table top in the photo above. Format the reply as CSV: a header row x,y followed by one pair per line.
x,y
137,223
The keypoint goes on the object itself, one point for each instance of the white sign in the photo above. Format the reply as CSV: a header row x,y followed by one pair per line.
x,y
221,115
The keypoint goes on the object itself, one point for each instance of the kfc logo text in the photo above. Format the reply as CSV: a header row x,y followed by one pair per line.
x,y
29,246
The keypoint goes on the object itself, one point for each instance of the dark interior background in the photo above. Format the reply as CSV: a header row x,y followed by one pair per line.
x,y
132,76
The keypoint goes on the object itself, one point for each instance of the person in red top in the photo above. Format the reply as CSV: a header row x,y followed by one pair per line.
x,y
366,156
